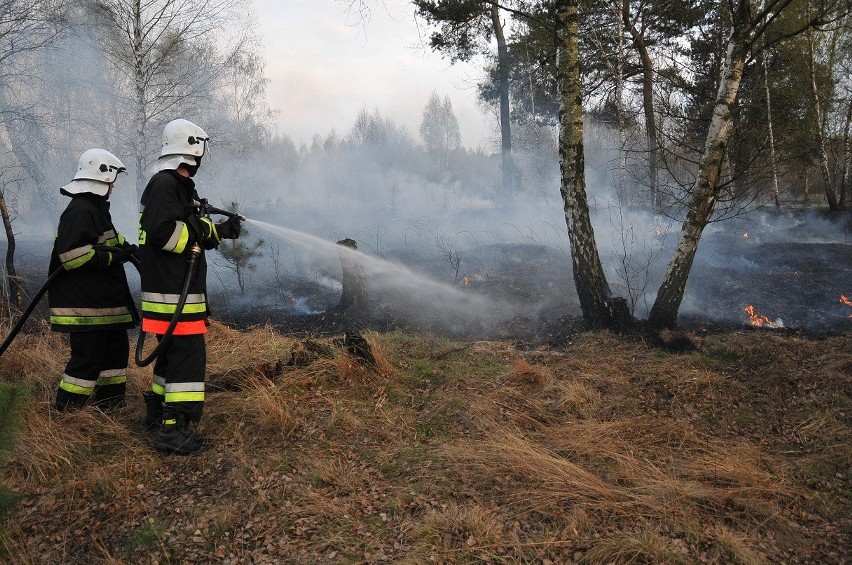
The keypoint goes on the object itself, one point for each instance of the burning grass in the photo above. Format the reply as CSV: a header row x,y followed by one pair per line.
x,y
605,450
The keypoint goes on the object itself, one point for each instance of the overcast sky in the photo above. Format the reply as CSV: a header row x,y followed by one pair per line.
x,y
324,66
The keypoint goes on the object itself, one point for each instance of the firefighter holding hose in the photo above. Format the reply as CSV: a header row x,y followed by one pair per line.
x,y
90,300
173,228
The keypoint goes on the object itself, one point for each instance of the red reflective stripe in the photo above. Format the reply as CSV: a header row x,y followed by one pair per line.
x,y
182,328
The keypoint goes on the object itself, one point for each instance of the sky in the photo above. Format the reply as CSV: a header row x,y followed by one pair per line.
x,y
324,65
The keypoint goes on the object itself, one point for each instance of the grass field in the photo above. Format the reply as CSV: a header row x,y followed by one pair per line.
x,y
604,450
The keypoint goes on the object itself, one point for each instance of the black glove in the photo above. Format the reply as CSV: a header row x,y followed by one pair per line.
x,y
230,228
202,230
121,253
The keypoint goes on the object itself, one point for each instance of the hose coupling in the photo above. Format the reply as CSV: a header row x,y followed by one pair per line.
x,y
195,250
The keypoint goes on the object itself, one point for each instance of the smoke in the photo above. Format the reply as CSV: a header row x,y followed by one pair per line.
x,y
444,247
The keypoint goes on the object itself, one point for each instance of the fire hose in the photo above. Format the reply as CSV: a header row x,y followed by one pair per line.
x,y
38,295
192,264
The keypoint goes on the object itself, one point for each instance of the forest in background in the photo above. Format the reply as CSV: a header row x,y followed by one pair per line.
x,y
665,135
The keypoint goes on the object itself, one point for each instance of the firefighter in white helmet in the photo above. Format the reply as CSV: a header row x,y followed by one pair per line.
x,y
90,300
169,225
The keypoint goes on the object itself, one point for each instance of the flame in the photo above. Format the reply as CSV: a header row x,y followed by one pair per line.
x,y
466,281
745,235
760,321
846,301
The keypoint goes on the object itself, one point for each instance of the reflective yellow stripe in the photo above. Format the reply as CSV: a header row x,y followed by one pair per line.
x,y
172,308
89,320
184,397
112,380
213,232
177,242
76,389
158,389
79,261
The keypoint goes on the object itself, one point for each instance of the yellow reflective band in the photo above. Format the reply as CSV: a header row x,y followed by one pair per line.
x,y
213,232
172,308
112,380
158,389
79,261
170,422
143,236
177,242
184,397
76,389
89,320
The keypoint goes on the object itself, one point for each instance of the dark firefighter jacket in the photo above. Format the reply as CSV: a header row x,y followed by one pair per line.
x,y
166,235
92,293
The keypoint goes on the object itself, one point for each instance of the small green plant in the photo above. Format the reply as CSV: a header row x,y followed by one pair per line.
x,y
147,535
12,398
241,253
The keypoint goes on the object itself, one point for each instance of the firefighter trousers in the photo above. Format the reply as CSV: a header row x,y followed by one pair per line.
x,y
97,367
179,374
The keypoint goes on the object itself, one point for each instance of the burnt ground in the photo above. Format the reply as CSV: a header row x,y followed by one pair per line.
x,y
792,268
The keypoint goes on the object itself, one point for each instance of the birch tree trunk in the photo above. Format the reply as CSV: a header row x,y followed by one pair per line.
x,y
830,196
139,89
505,119
705,191
592,287
772,160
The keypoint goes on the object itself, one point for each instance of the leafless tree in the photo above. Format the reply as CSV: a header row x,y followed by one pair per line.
x,y
168,56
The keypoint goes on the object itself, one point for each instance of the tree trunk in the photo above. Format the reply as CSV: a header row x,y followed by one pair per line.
x,y
592,288
620,6
705,191
505,120
16,291
353,299
647,105
772,160
830,196
846,179
139,98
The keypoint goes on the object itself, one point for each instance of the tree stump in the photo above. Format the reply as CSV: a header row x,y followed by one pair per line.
x,y
353,300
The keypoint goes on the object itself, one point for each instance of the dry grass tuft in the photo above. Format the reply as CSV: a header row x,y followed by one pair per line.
x,y
731,547
645,545
575,398
525,373
266,409
457,533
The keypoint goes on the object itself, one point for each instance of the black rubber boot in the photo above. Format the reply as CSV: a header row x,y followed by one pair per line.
x,y
153,410
109,397
173,436
68,401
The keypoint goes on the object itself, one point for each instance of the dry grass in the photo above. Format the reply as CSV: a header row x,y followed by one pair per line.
x,y
451,453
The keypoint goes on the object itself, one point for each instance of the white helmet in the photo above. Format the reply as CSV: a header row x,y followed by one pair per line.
x,y
96,170
182,137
